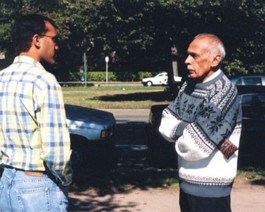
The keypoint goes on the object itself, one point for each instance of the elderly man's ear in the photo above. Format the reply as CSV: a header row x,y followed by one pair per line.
x,y
216,60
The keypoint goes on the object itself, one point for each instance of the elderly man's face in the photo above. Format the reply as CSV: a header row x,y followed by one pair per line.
x,y
199,60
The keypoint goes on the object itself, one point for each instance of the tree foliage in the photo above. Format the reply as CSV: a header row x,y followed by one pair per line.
x,y
138,35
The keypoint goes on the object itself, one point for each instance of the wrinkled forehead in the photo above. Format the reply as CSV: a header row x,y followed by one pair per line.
x,y
199,45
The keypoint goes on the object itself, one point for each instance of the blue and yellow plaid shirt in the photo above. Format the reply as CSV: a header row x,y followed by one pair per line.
x,y
33,129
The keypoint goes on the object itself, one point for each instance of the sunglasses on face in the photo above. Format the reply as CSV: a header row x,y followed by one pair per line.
x,y
55,39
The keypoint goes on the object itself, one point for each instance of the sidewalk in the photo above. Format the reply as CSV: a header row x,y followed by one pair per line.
x,y
244,198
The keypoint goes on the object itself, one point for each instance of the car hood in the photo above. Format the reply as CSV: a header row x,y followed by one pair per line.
x,y
88,117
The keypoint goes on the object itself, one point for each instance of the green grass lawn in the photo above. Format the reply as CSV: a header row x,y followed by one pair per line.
x,y
121,97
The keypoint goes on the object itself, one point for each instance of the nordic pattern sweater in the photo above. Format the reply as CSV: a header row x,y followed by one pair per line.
x,y
201,117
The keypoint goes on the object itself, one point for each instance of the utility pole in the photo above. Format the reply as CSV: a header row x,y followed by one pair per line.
x,y
174,54
85,67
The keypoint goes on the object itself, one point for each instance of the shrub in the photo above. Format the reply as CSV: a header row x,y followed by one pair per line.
x,y
100,76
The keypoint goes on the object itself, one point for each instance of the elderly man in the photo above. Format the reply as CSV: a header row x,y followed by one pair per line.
x,y
205,124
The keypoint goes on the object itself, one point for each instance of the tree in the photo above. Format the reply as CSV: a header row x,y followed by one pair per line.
x,y
138,35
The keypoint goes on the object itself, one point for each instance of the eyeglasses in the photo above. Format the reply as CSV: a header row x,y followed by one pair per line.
x,y
55,39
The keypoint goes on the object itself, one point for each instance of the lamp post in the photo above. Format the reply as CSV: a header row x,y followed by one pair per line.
x,y
107,61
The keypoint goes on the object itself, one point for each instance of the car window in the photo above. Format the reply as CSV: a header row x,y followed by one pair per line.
x,y
253,105
237,81
252,81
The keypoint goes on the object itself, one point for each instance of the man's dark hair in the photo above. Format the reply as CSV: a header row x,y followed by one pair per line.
x,y
25,28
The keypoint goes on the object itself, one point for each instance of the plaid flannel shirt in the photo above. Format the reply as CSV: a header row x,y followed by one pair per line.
x,y
33,131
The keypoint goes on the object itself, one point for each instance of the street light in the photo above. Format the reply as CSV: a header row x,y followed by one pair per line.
x,y
107,61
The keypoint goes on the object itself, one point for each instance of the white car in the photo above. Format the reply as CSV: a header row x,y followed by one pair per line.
x,y
160,79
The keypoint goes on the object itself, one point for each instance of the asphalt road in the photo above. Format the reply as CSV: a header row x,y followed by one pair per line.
x,y
130,127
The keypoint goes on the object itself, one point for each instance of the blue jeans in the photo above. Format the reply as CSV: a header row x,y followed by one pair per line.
x,y
20,192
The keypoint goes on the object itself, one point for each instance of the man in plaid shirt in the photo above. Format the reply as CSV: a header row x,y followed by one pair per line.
x,y
34,139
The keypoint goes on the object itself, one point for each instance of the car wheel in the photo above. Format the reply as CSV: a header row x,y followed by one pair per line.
x,y
78,151
77,158
149,83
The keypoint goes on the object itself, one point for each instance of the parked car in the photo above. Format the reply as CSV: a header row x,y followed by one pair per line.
x,y
249,80
159,79
92,135
252,142
161,153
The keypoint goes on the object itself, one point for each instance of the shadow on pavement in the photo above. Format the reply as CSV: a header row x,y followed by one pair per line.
x,y
156,96
130,172
94,187
258,182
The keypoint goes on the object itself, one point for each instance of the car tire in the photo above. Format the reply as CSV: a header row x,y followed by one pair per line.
x,y
149,83
77,158
78,151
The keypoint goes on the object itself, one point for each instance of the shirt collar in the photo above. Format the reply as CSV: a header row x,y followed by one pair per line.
x,y
214,75
27,59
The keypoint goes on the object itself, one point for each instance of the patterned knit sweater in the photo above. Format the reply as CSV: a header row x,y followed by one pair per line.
x,y
202,116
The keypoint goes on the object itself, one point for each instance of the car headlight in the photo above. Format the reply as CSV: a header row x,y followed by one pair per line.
x,y
104,134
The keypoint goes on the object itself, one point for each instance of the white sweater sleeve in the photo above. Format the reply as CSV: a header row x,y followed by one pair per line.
x,y
169,125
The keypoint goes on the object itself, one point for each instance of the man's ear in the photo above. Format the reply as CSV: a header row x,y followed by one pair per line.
x,y
36,41
216,60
